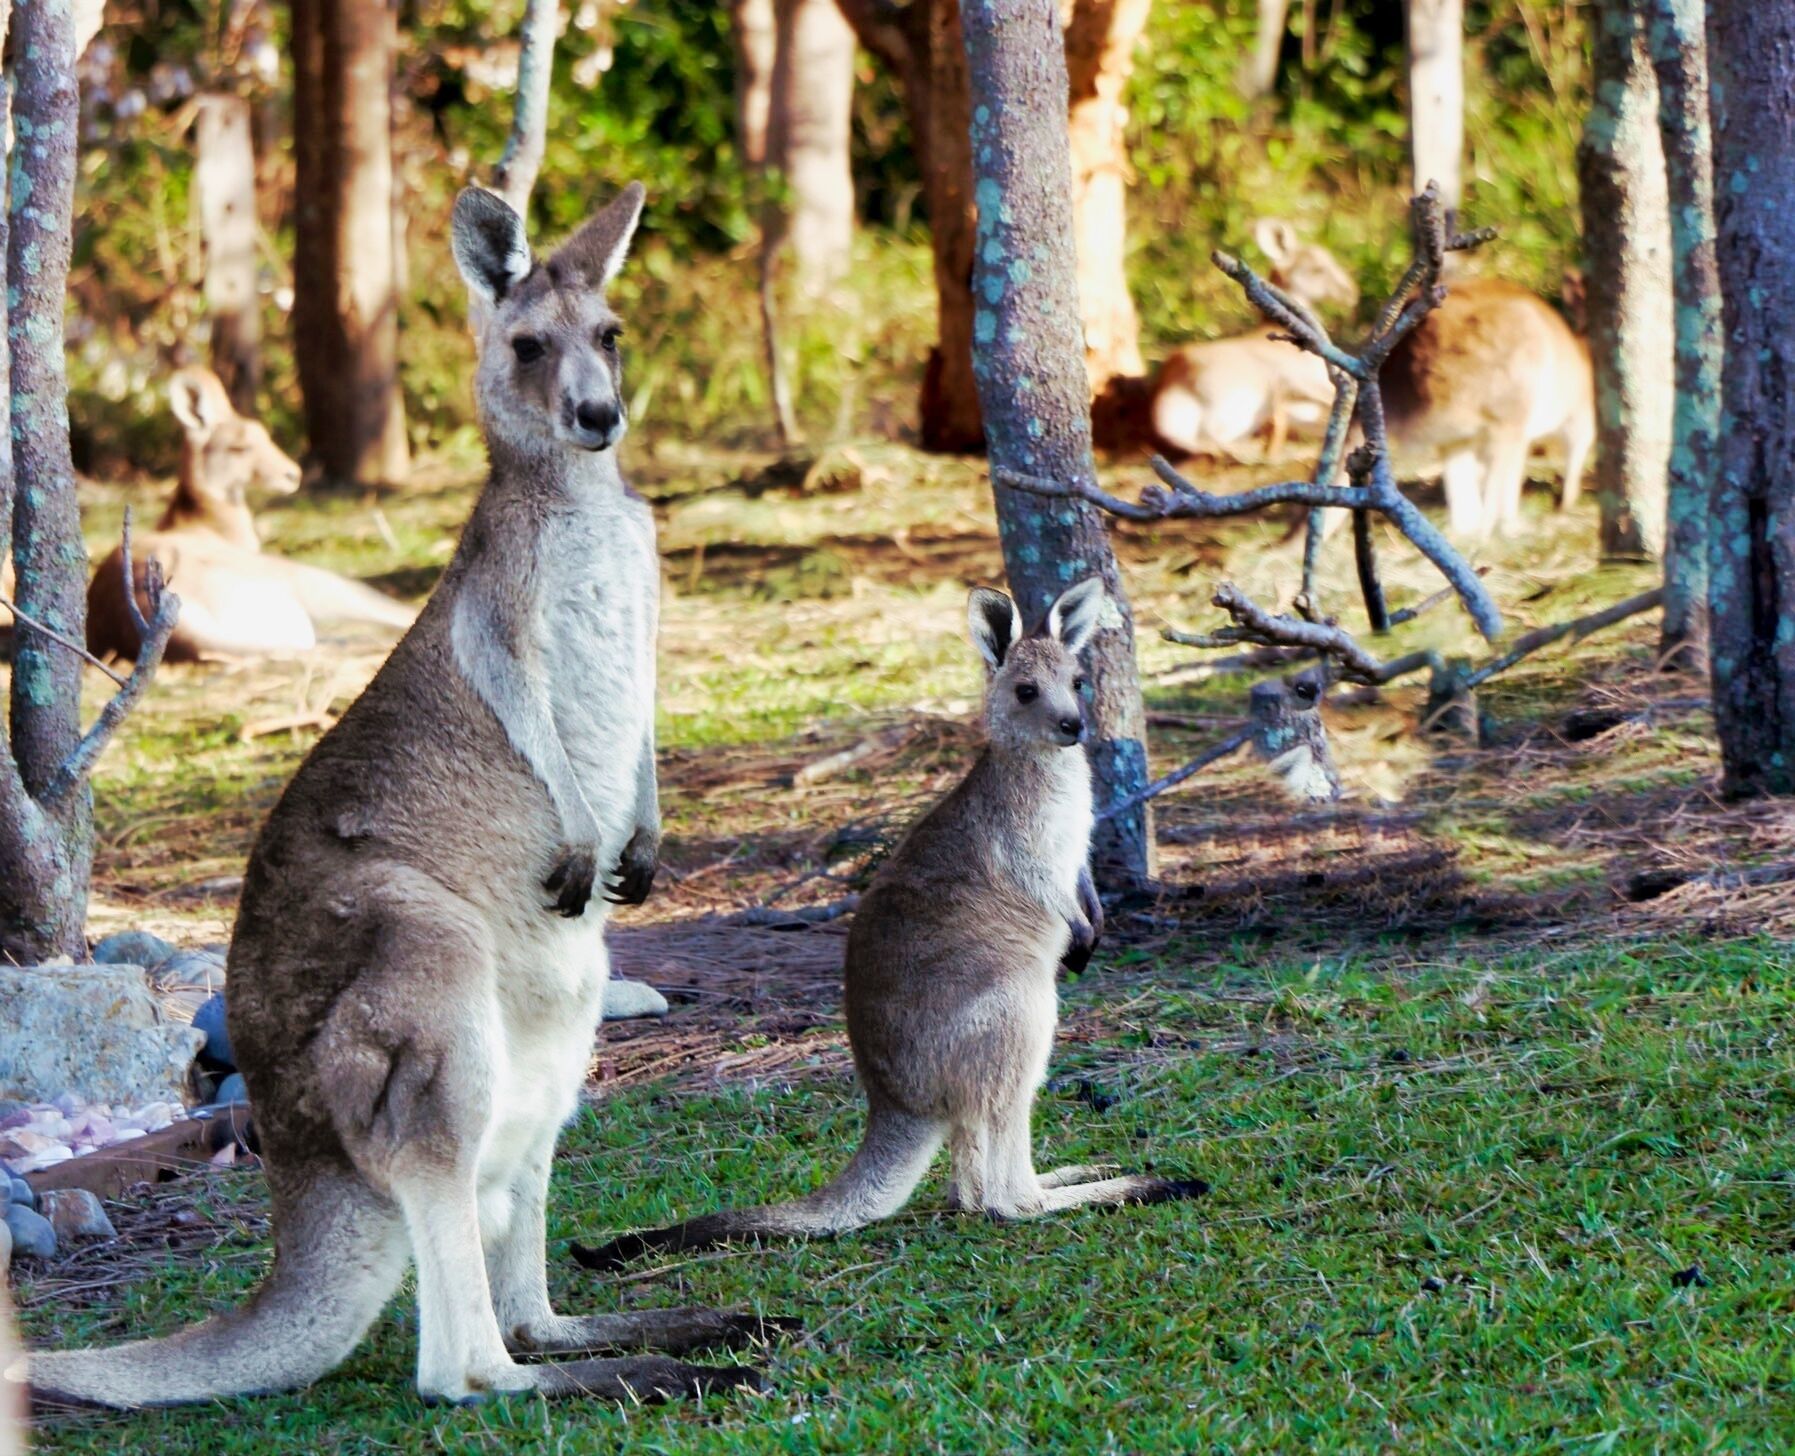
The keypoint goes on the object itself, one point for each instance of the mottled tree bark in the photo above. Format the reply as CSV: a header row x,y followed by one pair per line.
x,y
807,138
752,25
1677,40
1027,363
224,177
345,311
514,178
1751,522
1436,62
1100,42
1626,244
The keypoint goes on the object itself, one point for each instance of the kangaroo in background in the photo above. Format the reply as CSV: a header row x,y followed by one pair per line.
x,y
235,601
1489,374
418,961
951,1006
1210,397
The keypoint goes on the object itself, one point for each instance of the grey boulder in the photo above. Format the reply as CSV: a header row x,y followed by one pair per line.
x,y
94,1032
32,1235
75,1214
132,948
209,1019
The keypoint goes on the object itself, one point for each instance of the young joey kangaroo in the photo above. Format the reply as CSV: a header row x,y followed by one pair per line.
x,y
416,970
951,1005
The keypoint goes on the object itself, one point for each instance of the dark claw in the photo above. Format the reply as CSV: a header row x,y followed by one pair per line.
x,y
1079,949
634,875
571,881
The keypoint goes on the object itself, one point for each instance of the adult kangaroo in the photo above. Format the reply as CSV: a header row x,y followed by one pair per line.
x,y
951,957
235,599
418,960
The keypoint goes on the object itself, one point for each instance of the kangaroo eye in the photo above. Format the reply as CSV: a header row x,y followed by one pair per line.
x,y
527,349
1027,692
1078,684
608,337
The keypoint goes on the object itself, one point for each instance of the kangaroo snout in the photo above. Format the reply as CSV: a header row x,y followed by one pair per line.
x,y
1072,729
597,423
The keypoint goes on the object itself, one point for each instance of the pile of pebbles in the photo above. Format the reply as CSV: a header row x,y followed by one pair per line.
x,y
38,1135
40,1226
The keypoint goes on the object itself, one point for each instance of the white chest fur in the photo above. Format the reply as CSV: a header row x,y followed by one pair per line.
x,y
1052,837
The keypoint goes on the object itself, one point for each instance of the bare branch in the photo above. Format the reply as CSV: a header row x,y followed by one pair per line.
x,y
1576,630
515,176
1233,743
59,639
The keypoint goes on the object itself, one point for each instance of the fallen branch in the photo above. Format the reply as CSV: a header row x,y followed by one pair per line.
x,y
1233,743
59,639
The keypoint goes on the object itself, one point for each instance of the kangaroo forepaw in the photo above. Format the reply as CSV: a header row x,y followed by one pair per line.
x,y
634,876
1079,949
571,880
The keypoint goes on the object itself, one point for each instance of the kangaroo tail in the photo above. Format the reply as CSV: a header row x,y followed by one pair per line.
x,y
877,1182
339,1255
328,597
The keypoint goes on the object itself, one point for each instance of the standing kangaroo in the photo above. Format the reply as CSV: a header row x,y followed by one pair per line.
x,y
951,1005
235,600
416,970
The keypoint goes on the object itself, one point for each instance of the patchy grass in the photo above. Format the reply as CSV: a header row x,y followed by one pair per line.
x,y
1455,1204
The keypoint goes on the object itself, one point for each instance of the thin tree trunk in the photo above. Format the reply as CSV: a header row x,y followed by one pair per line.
x,y
752,24
1626,240
807,138
1260,73
1751,523
225,179
1036,403
1100,43
345,314
45,860
1678,44
1436,54
514,178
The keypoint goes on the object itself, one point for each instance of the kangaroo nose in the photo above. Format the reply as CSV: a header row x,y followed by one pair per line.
x,y
597,417
1072,727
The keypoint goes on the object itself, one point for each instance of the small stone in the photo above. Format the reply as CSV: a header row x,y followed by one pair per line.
x,y
132,948
75,1214
201,969
210,1020
32,1235
22,1193
626,1000
232,1089
5,1244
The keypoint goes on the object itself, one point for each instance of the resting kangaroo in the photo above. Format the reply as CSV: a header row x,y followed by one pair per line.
x,y
416,970
235,601
951,1005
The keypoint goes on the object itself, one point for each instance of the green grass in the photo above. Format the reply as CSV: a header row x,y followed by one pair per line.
x,y
1450,1197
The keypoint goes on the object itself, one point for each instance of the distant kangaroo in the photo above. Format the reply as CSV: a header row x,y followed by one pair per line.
x,y
235,600
951,1005
416,971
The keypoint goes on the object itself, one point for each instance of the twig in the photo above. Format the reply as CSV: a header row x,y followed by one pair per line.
x,y
1576,630
59,639
1233,743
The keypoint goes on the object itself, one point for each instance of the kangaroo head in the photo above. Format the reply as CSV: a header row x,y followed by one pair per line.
x,y
549,369
1034,686
1306,271
226,454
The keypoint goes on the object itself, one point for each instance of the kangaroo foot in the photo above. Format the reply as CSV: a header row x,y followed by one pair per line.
x,y
647,1378
675,1331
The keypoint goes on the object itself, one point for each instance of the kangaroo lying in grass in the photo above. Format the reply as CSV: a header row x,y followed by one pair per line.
x,y
951,1004
416,973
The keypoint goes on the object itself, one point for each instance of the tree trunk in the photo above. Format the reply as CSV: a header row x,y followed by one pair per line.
x,y
1751,556
1260,74
807,138
1436,51
225,179
345,312
1678,45
45,859
1036,403
514,178
1626,243
1100,43
756,44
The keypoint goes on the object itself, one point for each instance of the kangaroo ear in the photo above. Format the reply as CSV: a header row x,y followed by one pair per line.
x,y
1073,618
194,405
993,623
1276,239
598,249
488,239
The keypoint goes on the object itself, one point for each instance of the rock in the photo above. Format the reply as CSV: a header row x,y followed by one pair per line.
x,y
210,1020
201,969
132,948
32,1235
232,1089
76,1214
11,1109
5,1244
94,1032
625,1000
21,1193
